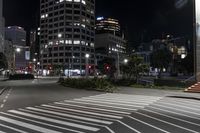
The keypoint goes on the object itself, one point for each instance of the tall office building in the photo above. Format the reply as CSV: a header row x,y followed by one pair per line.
x,y
108,25
109,38
67,34
17,36
1,27
197,39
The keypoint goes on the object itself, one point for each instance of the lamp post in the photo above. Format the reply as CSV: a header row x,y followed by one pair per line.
x,y
125,61
87,56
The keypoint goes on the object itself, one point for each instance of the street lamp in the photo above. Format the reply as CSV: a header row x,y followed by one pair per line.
x,y
18,50
125,61
87,56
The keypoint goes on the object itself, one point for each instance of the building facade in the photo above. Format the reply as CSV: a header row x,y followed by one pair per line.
x,y
108,25
108,39
2,25
17,36
197,40
67,34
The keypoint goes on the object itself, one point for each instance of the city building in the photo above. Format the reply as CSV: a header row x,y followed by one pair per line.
x,y
67,34
34,44
17,36
8,50
108,39
197,39
2,25
108,25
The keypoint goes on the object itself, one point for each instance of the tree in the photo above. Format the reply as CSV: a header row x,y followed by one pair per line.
x,y
3,62
161,59
135,68
188,63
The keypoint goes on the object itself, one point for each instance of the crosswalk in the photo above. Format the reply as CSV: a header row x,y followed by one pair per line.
x,y
106,113
83,115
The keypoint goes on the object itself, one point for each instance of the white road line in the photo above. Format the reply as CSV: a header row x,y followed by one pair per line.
x,y
2,132
99,109
126,98
167,122
4,100
131,128
50,125
186,104
107,103
57,117
84,112
181,110
177,105
193,102
148,124
172,117
2,105
71,116
12,128
26,125
100,105
55,121
122,100
119,101
172,112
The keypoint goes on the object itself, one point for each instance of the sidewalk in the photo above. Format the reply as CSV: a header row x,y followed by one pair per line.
x,y
157,92
2,78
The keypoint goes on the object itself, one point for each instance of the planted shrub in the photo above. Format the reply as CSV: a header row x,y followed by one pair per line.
x,y
21,77
89,84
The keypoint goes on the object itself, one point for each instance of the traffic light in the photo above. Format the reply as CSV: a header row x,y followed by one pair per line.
x,y
107,67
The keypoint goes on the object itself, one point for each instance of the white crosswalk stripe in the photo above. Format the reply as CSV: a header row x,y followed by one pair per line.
x,y
83,115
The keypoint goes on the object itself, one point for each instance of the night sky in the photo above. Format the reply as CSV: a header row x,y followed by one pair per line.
x,y
150,18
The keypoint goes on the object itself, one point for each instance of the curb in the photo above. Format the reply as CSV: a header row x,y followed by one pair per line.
x,y
2,91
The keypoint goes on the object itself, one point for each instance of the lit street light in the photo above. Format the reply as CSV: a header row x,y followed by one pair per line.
x,y
87,56
125,61
18,50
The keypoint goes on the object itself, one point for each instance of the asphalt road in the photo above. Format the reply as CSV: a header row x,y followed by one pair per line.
x,y
45,107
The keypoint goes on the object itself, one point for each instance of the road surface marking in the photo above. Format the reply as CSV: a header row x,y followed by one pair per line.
x,y
85,107
145,123
100,105
85,112
12,128
120,102
107,103
71,116
177,105
172,112
55,121
133,129
58,117
2,105
50,125
184,104
181,110
163,121
26,125
172,117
